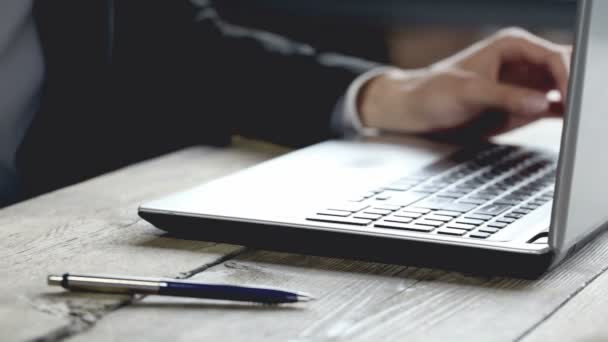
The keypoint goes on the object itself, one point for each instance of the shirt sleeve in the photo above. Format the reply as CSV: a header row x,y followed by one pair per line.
x,y
346,117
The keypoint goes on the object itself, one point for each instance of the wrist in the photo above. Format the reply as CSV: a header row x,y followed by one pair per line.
x,y
351,116
386,102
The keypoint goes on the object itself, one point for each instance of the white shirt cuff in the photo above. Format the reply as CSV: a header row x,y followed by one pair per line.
x,y
351,120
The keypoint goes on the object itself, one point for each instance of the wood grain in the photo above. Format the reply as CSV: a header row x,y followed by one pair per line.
x,y
582,318
358,301
93,227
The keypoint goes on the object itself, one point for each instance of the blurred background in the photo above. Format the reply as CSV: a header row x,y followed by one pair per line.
x,y
407,33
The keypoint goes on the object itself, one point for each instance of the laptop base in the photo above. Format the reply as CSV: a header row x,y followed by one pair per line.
x,y
478,261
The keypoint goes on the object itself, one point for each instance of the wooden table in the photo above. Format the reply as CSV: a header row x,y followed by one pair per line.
x,y
93,227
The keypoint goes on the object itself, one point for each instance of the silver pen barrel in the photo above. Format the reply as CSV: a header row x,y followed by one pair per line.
x,y
106,284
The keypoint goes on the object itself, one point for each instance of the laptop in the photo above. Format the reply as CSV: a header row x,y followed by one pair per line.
x,y
487,209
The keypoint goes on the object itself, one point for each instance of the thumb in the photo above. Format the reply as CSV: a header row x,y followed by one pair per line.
x,y
513,99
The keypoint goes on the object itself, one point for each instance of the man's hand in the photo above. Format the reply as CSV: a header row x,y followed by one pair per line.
x,y
498,84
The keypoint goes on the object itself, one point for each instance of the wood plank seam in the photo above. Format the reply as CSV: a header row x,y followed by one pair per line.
x,y
84,320
560,306
218,261
80,320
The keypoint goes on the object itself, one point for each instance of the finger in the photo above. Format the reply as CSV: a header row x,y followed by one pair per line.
x,y
517,44
536,76
481,94
558,105
538,51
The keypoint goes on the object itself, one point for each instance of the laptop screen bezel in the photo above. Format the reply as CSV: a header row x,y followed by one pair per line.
x,y
570,133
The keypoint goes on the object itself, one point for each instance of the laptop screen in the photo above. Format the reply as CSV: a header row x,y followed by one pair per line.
x,y
581,202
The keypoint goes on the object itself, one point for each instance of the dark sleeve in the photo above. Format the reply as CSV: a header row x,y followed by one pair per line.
x,y
268,86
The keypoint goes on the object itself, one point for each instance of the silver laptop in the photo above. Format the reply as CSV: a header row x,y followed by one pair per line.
x,y
490,209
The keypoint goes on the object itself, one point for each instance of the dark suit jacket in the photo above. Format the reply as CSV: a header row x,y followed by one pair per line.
x,y
131,79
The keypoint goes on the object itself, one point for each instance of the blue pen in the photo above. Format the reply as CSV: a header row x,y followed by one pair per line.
x,y
175,287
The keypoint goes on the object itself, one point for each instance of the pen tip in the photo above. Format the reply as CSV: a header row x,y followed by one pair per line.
x,y
302,297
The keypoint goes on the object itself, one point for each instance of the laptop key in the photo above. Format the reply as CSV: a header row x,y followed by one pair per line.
x,y
386,207
479,217
436,217
447,213
448,195
461,226
404,226
341,220
335,213
499,225
377,211
424,191
406,198
365,216
445,204
383,197
398,219
450,231
434,203
480,197
489,230
464,188
493,209
473,201
398,187
521,211
514,215
479,235
460,207
357,199
430,223
538,203
416,210
429,188
470,221
507,202
506,220
348,206
406,214
515,199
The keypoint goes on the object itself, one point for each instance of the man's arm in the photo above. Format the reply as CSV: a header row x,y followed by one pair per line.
x,y
257,84
273,88
504,71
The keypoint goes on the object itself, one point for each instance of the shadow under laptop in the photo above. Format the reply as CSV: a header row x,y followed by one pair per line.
x,y
380,249
282,268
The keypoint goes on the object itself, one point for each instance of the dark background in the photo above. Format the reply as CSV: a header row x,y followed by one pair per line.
x,y
404,32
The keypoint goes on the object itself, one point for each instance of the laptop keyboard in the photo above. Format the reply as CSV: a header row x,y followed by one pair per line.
x,y
472,194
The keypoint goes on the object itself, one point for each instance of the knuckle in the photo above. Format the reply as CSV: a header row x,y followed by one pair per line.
x,y
511,35
513,32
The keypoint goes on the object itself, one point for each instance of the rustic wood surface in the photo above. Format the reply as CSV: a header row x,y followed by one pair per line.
x,y
93,227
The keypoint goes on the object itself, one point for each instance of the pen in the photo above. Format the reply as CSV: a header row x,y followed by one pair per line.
x,y
175,287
